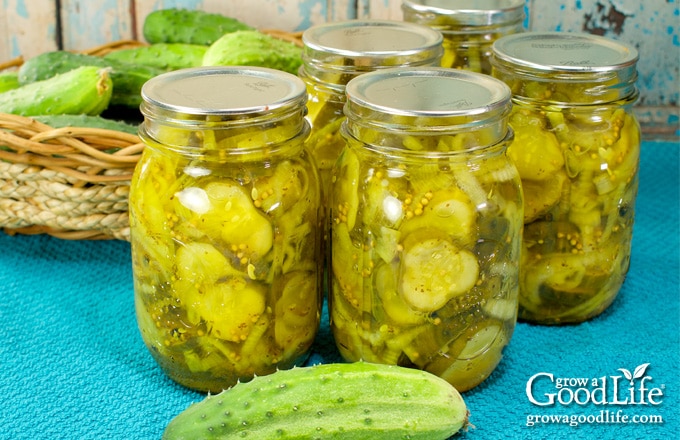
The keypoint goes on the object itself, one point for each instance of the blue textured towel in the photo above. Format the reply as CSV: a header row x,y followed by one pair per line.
x,y
72,364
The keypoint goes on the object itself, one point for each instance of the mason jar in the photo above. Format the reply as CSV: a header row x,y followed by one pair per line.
x,y
469,27
224,225
426,223
577,147
334,53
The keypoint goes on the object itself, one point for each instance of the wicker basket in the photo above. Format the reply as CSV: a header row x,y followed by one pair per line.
x,y
73,182
63,182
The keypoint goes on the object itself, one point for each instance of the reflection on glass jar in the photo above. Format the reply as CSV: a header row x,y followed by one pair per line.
x,y
334,53
577,145
469,27
426,224
224,226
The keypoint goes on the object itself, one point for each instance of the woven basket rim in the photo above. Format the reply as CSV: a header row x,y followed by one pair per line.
x,y
71,182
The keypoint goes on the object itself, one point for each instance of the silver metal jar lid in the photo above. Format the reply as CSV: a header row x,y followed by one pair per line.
x,y
430,98
468,12
564,53
371,44
228,91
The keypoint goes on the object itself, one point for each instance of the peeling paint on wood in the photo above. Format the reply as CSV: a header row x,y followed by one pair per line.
x,y
27,28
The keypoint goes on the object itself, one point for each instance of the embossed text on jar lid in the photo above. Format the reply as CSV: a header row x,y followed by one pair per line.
x,y
198,92
469,12
437,96
564,52
372,42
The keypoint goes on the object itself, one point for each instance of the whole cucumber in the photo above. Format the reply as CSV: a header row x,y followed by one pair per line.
x,y
127,78
9,80
89,121
84,90
177,25
166,56
361,401
254,48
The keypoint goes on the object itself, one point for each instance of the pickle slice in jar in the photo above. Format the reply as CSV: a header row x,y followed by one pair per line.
x,y
285,189
230,308
213,291
345,190
449,210
236,220
393,304
296,311
535,151
346,264
471,357
564,272
433,270
541,196
202,263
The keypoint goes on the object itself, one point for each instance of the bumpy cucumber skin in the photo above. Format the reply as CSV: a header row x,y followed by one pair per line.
x,y
177,25
9,81
84,90
127,78
166,56
361,401
253,48
88,121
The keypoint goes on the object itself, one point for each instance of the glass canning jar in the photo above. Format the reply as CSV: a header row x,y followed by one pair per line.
x,y
469,27
334,53
224,225
426,223
577,146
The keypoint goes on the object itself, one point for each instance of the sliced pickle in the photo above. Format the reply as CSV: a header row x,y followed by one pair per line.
x,y
433,270
472,357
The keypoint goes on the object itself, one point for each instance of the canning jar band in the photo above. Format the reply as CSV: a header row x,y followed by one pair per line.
x,y
596,85
549,105
478,30
336,76
323,83
213,121
431,14
496,148
296,140
619,79
482,119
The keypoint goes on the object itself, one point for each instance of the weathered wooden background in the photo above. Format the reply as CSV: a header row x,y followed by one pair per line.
x,y
29,27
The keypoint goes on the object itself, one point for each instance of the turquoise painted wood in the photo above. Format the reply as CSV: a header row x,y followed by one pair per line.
x,y
30,27
27,27
86,24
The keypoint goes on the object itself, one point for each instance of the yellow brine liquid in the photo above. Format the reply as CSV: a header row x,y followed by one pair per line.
x,y
577,147
224,219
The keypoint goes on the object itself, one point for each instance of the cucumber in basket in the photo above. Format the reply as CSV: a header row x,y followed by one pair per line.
x,y
177,25
254,48
9,80
166,56
88,121
350,401
84,90
127,78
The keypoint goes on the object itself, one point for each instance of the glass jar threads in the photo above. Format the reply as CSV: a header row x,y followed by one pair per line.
x,y
577,146
334,53
224,225
426,223
469,27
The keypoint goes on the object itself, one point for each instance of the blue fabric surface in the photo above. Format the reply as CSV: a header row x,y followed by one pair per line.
x,y
72,364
